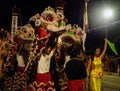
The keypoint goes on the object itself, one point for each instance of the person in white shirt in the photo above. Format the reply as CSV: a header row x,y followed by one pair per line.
x,y
43,80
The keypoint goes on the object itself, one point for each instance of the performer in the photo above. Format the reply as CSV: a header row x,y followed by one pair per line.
x,y
20,77
5,46
96,72
57,70
9,69
75,69
43,80
15,76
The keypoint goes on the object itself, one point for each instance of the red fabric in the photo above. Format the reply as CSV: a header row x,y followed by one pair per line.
x,y
42,33
43,77
43,83
20,69
76,85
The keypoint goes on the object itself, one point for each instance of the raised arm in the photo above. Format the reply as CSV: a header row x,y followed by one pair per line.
x,y
89,65
105,48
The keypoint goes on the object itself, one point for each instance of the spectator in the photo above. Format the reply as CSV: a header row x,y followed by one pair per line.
x,y
76,72
96,72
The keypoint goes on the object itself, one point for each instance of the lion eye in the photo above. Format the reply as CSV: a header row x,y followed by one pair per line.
x,y
25,31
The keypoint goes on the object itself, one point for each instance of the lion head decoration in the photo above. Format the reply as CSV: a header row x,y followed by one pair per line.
x,y
71,39
54,21
48,16
26,35
25,32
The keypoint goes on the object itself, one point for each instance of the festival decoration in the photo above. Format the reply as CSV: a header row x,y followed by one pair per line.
x,y
85,23
71,38
25,32
15,77
58,23
14,23
48,27
35,20
112,47
48,16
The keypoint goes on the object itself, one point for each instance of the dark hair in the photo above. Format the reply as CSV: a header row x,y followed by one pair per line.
x,y
73,51
92,55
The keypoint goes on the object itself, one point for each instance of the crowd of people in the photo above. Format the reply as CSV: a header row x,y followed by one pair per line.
x,y
47,55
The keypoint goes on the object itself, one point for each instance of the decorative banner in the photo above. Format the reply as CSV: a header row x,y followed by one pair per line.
x,y
112,47
85,18
14,23
85,24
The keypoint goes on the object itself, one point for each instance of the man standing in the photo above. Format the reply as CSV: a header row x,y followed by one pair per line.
x,y
76,72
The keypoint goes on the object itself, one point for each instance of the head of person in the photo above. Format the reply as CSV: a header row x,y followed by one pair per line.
x,y
74,51
70,45
57,56
48,50
97,52
81,54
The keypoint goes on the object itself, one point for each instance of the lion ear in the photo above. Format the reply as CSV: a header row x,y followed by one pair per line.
x,y
37,22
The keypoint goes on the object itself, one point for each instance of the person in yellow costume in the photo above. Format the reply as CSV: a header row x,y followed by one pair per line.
x,y
96,70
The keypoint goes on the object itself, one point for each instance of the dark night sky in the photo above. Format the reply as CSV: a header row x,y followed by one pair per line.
x,y
74,13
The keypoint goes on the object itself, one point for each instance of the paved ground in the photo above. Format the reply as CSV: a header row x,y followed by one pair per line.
x,y
111,82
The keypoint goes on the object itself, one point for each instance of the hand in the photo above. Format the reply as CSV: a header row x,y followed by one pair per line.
x,y
105,39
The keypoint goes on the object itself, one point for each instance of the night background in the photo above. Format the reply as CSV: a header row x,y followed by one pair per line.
x,y
73,11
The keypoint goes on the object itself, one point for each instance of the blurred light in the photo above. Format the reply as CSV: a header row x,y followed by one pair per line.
x,y
108,13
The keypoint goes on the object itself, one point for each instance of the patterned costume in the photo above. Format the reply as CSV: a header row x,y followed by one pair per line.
x,y
15,77
20,77
58,72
